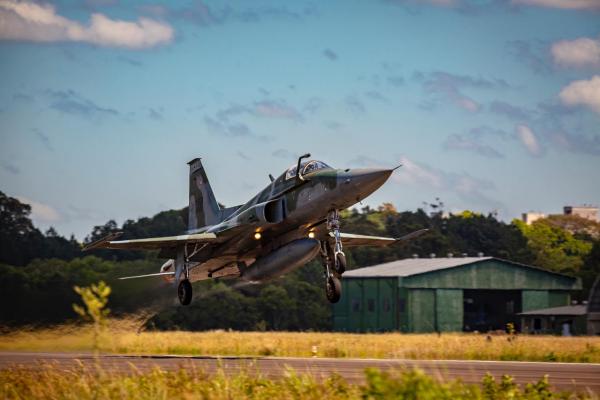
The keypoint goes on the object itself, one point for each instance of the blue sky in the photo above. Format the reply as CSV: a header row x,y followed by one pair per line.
x,y
489,105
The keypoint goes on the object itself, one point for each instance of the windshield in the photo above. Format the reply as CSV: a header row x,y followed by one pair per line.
x,y
306,167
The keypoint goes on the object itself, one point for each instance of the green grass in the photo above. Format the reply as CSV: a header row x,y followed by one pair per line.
x,y
49,382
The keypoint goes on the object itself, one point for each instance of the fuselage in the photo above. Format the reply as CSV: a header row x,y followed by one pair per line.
x,y
290,207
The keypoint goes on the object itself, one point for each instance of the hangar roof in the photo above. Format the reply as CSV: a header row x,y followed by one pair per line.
x,y
579,309
411,266
415,266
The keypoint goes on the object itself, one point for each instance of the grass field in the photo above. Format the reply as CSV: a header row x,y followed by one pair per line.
x,y
122,337
51,383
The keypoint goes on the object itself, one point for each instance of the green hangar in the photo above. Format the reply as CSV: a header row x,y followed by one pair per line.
x,y
446,294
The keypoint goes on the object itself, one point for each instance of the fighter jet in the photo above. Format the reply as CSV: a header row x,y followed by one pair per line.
x,y
287,224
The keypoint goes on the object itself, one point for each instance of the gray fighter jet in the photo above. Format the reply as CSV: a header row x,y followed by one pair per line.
x,y
287,224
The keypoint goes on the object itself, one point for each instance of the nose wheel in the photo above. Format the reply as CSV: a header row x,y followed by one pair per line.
x,y
333,258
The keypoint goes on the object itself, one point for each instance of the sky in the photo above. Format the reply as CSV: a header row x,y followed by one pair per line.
x,y
489,105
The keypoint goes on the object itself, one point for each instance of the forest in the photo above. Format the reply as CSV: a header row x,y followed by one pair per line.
x,y
38,270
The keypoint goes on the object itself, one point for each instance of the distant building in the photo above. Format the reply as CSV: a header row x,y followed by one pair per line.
x,y
564,320
446,294
576,319
531,217
585,211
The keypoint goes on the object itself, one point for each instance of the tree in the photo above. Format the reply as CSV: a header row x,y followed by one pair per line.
x,y
21,241
275,306
590,269
555,248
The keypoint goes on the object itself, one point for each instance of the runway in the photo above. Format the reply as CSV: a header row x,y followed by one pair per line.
x,y
563,376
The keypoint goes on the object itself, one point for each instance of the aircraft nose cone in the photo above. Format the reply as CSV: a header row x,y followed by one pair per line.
x,y
366,181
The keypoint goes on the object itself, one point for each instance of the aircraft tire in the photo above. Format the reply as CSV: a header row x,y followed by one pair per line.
x,y
340,263
333,289
184,292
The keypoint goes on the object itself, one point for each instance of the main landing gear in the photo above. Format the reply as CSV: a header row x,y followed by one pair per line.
x,y
184,288
184,292
333,258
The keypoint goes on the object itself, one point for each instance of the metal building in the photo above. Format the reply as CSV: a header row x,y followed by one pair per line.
x,y
446,294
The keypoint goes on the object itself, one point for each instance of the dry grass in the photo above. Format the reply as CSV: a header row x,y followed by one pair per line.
x,y
122,337
50,382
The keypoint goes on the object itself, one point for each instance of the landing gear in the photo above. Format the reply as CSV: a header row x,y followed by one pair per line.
x,y
333,289
340,263
184,292
334,259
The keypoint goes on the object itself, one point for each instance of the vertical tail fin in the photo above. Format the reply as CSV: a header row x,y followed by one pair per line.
x,y
203,208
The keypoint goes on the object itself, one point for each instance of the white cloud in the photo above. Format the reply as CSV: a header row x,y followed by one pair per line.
x,y
413,173
39,211
580,52
564,4
529,140
40,23
585,93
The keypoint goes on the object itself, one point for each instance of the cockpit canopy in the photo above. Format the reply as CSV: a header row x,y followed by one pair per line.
x,y
306,167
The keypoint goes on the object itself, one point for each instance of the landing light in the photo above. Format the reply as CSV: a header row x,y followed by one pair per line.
x,y
311,235
257,236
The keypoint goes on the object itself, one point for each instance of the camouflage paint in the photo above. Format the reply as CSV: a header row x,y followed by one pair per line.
x,y
203,207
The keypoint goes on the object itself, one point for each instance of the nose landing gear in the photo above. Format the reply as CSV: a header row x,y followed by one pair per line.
x,y
333,258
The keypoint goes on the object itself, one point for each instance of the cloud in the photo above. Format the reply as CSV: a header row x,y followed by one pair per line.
x,y
23,98
10,168
235,129
333,125
313,105
275,109
586,144
243,156
471,144
201,14
415,173
330,54
585,93
375,95
533,54
265,108
438,3
355,105
286,154
34,22
529,140
562,4
39,211
71,102
130,61
395,80
465,186
155,114
582,52
43,138
508,110
446,87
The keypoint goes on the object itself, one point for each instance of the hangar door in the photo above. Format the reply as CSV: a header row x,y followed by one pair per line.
x,y
488,310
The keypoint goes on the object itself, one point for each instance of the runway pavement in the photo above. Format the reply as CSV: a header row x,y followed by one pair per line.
x,y
563,376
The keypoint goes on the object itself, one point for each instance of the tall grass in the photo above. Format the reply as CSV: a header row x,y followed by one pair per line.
x,y
51,383
123,337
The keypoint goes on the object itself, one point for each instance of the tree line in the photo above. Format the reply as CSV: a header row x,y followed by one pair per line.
x,y
38,270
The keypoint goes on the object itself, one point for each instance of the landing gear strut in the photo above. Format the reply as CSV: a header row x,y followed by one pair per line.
x,y
334,259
